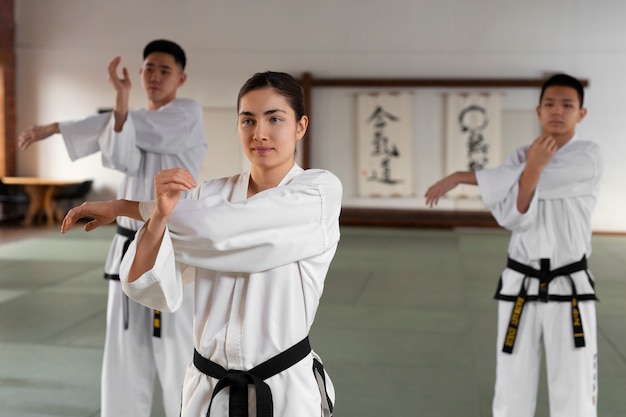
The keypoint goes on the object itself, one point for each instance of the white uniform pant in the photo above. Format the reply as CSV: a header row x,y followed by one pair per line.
x,y
133,357
572,372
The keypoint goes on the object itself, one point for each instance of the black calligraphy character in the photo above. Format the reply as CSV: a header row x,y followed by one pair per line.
x,y
382,149
473,119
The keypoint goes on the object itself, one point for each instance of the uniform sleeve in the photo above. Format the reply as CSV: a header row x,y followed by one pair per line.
x,y
496,183
160,288
81,137
119,149
574,175
508,216
274,228
192,159
499,188
176,129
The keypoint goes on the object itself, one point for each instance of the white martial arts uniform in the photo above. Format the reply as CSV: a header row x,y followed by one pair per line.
x,y
170,137
260,269
557,226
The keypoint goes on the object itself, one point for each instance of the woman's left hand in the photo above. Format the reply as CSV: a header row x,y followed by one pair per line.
x,y
168,184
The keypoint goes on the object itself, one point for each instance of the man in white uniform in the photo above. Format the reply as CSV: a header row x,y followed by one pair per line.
x,y
140,342
545,194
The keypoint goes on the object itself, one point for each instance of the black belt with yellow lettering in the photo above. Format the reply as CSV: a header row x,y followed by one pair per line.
x,y
238,381
129,234
545,275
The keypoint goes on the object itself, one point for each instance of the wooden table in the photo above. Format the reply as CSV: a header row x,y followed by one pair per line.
x,y
41,193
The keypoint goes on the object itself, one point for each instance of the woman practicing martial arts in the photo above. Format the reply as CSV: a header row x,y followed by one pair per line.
x,y
261,243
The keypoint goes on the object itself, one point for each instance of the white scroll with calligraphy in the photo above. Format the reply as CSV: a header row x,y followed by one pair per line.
x,y
473,136
385,152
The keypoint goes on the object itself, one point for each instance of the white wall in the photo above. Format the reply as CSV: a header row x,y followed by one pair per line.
x,y
63,47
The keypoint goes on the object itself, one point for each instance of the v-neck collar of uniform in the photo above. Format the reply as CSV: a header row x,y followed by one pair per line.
x,y
568,143
241,192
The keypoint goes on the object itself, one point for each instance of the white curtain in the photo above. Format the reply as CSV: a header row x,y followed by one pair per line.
x,y
384,143
473,136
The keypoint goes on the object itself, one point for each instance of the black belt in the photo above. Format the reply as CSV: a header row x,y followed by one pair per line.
x,y
545,275
129,234
238,381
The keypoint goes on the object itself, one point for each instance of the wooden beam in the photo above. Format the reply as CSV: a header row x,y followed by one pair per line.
x,y
307,85
7,89
429,82
436,219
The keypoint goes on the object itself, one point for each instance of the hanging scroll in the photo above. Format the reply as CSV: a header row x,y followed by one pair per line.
x,y
385,152
473,136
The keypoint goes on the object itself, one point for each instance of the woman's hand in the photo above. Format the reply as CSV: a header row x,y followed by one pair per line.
x,y
168,185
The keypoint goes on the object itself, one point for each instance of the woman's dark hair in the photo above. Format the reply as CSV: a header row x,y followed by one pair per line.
x,y
564,80
283,83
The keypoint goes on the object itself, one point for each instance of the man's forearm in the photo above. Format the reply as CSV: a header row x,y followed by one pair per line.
x,y
441,187
120,111
51,129
527,185
466,177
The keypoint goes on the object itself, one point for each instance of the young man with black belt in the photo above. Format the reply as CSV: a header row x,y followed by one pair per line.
x,y
545,194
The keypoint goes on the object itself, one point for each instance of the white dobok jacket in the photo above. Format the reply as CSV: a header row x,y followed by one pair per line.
x,y
170,137
557,226
260,265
